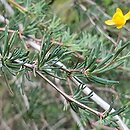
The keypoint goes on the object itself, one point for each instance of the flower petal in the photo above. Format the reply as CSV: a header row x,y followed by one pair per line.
x,y
109,22
127,16
119,27
119,10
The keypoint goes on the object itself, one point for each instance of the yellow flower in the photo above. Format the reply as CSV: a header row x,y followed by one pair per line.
x,y
118,19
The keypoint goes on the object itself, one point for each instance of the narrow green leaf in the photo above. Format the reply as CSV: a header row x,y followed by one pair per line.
x,y
92,68
12,39
109,56
110,67
15,54
120,49
102,81
92,62
74,107
118,111
97,50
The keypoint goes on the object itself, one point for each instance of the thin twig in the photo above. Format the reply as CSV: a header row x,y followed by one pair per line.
x,y
68,97
16,5
31,66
